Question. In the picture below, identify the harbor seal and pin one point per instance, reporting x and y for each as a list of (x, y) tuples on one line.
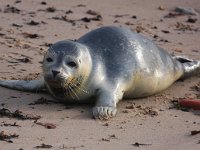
[(104, 66)]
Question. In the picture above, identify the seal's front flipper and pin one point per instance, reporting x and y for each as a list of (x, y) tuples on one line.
[(106, 105), (22, 85)]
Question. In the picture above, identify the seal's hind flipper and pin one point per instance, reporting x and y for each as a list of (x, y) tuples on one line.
[(182, 59), (22, 85), (191, 67)]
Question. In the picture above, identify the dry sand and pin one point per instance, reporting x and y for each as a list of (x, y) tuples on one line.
[(22, 44)]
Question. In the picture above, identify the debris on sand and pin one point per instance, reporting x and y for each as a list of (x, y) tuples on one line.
[(43, 3), (46, 125), (196, 87), (73, 147), (186, 11), (173, 15), (161, 7), (147, 111), (185, 104), (64, 18), (47, 44), (30, 76), (33, 23), (184, 27), (80, 5), (106, 124), (11, 9), (140, 110), (165, 31), (51, 9), (39, 101), (69, 12), (106, 140), (140, 144), (17, 25), (192, 20), (92, 12), (31, 35), (44, 146), (120, 16), (10, 124), (140, 29), (190, 103), (7, 137), (18, 115), (96, 18), (24, 60), (18, 1), (131, 106)]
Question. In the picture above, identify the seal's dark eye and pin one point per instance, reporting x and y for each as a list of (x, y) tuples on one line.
[(72, 64), (49, 59)]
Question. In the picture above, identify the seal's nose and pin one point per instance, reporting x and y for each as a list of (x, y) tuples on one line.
[(55, 73)]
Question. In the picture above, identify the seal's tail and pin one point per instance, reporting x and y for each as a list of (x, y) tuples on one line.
[(191, 67), (22, 85)]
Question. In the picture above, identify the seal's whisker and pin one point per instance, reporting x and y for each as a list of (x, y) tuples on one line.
[(68, 92), (82, 89), (69, 89), (73, 92), (75, 83)]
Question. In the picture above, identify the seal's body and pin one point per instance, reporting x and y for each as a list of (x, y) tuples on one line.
[(108, 63)]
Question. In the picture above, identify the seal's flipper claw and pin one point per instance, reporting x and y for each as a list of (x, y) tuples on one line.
[(22, 85), (104, 113)]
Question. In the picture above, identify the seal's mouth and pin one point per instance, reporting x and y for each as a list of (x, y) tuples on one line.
[(59, 92), (55, 84), (57, 88), (67, 89)]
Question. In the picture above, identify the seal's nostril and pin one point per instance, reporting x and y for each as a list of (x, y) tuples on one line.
[(55, 73)]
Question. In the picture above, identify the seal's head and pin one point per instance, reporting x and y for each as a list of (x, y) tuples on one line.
[(66, 68)]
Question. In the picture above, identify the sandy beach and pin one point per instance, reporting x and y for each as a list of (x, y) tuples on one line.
[(37, 121)]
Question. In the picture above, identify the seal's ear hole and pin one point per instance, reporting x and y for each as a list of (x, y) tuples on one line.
[(49, 59), (72, 64)]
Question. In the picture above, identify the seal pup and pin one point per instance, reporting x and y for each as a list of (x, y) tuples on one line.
[(109, 63)]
